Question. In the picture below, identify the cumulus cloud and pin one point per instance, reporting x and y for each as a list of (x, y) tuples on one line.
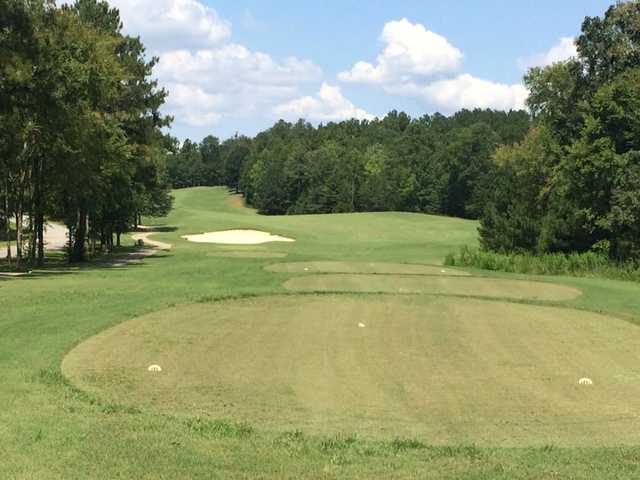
[(234, 64), (467, 91), (243, 83), (411, 50), (422, 64), (162, 24), (209, 78), (193, 106), (328, 105), (563, 50)]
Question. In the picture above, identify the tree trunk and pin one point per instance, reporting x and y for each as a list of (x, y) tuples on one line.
[(18, 235), (79, 252), (7, 217), (32, 238), (38, 210), (118, 239)]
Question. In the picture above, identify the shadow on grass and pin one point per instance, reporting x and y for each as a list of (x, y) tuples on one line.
[(57, 263), (160, 229)]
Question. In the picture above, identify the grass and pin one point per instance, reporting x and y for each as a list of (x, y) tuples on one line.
[(50, 428), (446, 371), (363, 267), (443, 285)]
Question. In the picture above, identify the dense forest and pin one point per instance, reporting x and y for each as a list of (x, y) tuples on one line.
[(81, 137), (573, 184), (563, 177), (432, 164)]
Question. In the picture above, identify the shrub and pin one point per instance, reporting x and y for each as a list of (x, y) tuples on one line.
[(574, 264)]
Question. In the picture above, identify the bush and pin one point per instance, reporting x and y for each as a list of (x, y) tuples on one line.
[(574, 264)]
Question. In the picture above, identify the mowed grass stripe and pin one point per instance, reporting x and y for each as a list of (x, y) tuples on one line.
[(470, 286), (363, 267), (442, 370)]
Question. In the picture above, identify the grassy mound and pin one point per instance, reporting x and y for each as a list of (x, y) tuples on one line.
[(442, 370)]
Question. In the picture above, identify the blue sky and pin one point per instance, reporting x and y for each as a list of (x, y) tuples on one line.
[(238, 66)]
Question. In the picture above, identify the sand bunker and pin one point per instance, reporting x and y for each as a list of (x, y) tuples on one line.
[(237, 237)]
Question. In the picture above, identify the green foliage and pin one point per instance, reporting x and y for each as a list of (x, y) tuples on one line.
[(573, 183), (431, 164), (81, 137), (573, 264)]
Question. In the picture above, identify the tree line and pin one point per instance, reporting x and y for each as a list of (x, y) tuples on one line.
[(80, 136), (573, 183), (431, 164), (562, 177)]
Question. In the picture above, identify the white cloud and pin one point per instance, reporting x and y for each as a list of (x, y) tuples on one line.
[(163, 24), (242, 83), (411, 51), (329, 105), (563, 50), (193, 106), (467, 91), (209, 78), (421, 64), (232, 64)]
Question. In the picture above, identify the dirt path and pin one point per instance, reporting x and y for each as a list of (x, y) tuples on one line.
[(144, 234), (55, 238), (150, 248)]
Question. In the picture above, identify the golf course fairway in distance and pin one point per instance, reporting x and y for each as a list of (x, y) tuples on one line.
[(413, 284), (445, 370)]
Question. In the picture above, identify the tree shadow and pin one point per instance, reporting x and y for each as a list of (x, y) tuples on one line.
[(57, 263)]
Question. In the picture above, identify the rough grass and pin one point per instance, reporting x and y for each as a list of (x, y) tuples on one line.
[(575, 264), (49, 430)]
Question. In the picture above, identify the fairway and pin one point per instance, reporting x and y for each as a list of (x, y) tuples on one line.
[(266, 364), (445, 371)]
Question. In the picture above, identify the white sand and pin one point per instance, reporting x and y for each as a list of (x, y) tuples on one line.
[(237, 237)]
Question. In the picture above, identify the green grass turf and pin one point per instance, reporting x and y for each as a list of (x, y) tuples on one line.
[(51, 429), (364, 267), (455, 285), (435, 368)]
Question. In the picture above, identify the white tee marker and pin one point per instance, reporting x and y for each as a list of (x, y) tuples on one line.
[(155, 368), (361, 325), (585, 381)]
